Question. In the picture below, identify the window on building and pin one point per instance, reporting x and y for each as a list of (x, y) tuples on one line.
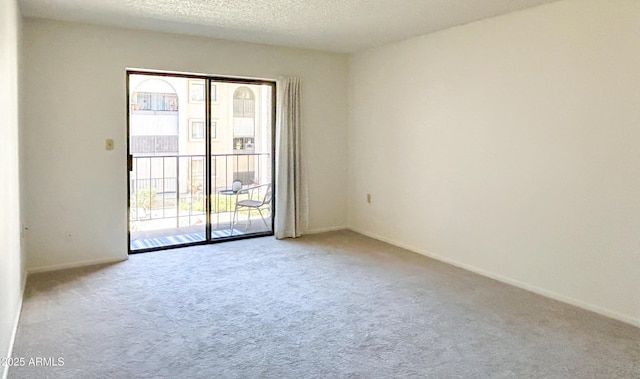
[(244, 113), (196, 129), (196, 91), (214, 93), (244, 103)]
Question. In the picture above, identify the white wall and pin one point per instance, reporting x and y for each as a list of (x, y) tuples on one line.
[(75, 96), (11, 270), (509, 146)]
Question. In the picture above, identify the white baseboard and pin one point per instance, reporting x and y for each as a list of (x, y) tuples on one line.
[(325, 230), (14, 330), (75, 265), (516, 283)]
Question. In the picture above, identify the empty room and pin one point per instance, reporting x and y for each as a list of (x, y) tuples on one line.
[(320, 189)]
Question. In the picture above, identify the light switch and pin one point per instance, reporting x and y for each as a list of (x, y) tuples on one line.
[(109, 144)]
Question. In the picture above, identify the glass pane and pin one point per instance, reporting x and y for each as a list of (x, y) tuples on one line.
[(167, 142), (241, 148)]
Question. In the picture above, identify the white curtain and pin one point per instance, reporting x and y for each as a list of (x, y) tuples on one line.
[(291, 209)]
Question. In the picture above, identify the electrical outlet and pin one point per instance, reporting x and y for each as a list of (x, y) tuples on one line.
[(369, 198)]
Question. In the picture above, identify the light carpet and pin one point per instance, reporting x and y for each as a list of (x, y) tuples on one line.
[(333, 305)]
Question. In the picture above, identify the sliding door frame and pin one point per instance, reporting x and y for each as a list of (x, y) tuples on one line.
[(208, 190)]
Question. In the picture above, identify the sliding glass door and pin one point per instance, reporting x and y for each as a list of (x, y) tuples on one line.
[(200, 159), (241, 168)]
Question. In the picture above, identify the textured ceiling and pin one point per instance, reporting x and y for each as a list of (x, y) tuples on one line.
[(334, 25)]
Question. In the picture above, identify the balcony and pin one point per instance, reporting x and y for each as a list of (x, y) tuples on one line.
[(167, 197)]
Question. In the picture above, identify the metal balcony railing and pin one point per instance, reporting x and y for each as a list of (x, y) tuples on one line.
[(164, 187)]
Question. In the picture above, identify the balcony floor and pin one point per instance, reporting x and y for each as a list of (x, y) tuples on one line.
[(168, 236)]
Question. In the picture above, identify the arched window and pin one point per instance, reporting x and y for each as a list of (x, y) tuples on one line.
[(244, 103), (154, 118), (154, 95)]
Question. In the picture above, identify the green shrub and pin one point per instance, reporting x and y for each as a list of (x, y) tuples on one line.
[(144, 198)]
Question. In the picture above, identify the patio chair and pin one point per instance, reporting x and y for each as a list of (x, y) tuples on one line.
[(259, 198)]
